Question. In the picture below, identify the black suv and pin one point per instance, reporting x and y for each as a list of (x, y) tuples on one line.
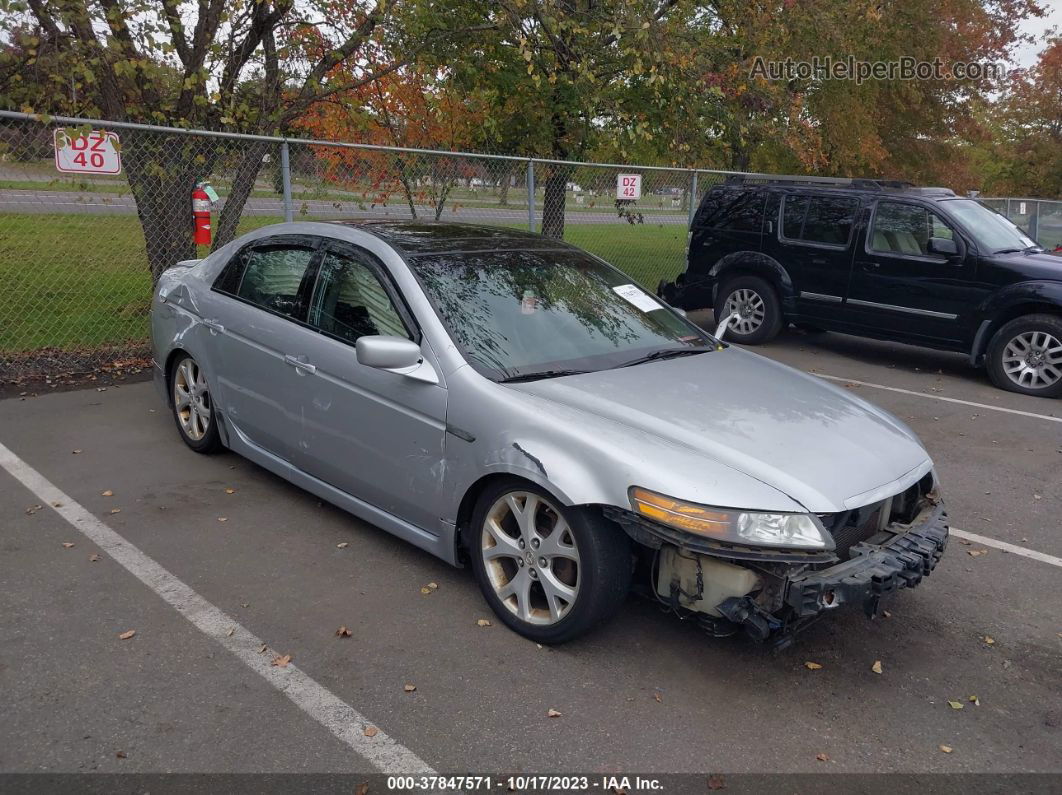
[(879, 259)]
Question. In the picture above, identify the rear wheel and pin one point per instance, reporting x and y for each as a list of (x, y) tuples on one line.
[(1026, 356), (757, 306), (550, 573), (193, 405)]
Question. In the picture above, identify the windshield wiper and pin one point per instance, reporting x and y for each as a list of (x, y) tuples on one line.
[(667, 353), (540, 374), (1008, 251)]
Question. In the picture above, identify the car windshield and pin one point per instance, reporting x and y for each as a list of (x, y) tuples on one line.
[(537, 314), (994, 233)]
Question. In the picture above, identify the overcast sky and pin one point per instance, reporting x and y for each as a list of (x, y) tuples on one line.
[(1026, 55)]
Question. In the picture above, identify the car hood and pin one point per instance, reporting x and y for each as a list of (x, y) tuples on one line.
[(1039, 265), (821, 446)]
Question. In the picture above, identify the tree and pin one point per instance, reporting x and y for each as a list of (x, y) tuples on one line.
[(231, 65)]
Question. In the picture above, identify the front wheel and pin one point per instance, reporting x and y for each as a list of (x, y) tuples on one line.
[(193, 405), (1026, 356), (550, 573), (757, 306)]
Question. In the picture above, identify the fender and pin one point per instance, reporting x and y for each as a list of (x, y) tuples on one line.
[(757, 264), (997, 309)]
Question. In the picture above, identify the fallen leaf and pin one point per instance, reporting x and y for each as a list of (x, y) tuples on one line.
[(127, 634), (362, 789), (812, 666), (955, 704), (659, 699), (343, 632), (231, 632), (973, 553), (94, 557), (262, 649), (433, 585), (223, 519), (409, 688), (245, 604), (483, 623), (33, 509), (716, 782), (68, 545), (425, 590), (886, 613), (822, 757), (876, 667), (57, 505), (1038, 496), (342, 545), (964, 542), (371, 731), (975, 701), (230, 491), (107, 493), (120, 754), (75, 452), (1006, 664), (552, 713), (946, 749), (116, 510), (282, 661), (989, 641)]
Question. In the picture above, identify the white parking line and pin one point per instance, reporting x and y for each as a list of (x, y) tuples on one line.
[(1007, 547), (347, 724), (939, 397)]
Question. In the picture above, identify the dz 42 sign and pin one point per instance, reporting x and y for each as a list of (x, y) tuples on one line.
[(95, 153), (629, 186)]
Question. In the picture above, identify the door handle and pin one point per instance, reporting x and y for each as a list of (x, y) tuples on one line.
[(818, 260), (215, 327), (299, 364), (871, 266)]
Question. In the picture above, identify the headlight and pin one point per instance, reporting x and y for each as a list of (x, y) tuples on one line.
[(800, 530)]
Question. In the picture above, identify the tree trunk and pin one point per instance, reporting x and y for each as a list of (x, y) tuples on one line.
[(243, 179), (162, 171), (504, 181), (553, 201)]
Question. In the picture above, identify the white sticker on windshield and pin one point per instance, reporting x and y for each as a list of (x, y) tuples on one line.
[(637, 296)]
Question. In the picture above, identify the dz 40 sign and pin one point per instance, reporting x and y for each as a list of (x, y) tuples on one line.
[(629, 186), (98, 152)]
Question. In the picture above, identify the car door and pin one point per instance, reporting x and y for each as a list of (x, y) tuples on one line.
[(258, 301), (814, 245), (375, 434), (899, 285)]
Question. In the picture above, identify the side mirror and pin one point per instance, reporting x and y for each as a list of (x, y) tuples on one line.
[(720, 330), (942, 246), (387, 353)]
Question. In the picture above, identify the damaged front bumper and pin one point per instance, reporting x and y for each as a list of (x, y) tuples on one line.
[(795, 590)]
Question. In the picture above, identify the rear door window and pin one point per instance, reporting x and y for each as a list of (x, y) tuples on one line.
[(822, 220), (732, 209)]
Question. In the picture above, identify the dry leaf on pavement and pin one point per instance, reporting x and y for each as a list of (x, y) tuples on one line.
[(127, 634), (946, 748), (282, 661), (659, 699), (989, 641), (68, 545), (955, 704), (342, 545), (223, 518), (33, 509), (552, 713), (876, 667), (75, 452), (409, 688), (371, 731), (822, 757), (812, 666), (483, 623), (94, 557), (343, 632), (262, 649), (231, 632), (425, 590), (975, 701), (230, 491), (120, 754), (716, 782), (107, 493), (116, 510)]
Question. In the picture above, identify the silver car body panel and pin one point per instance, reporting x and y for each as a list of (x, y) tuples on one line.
[(726, 428)]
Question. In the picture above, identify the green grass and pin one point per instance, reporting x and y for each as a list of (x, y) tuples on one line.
[(77, 282)]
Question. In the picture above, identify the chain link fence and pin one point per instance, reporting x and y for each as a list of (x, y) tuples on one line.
[(79, 252)]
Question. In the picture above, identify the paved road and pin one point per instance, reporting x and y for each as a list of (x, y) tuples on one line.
[(35, 202), (171, 698)]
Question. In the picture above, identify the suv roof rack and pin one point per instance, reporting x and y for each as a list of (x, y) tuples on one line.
[(833, 182)]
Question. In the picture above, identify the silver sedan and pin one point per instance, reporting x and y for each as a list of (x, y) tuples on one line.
[(509, 401)]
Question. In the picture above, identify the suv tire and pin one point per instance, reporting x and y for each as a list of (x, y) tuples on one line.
[(1025, 356), (589, 563), (759, 305)]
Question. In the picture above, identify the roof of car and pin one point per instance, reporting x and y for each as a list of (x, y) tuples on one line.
[(442, 237), (859, 185)]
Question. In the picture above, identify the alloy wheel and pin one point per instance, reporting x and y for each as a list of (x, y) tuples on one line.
[(750, 308), (1033, 360), (531, 558), (191, 400)]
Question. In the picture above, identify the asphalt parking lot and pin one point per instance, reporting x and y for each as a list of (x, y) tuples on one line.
[(269, 565)]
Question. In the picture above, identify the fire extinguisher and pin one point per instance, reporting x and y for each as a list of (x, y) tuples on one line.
[(201, 215)]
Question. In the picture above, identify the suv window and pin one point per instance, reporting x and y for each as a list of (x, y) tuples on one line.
[(905, 229), (819, 219), (735, 210), (272, 275), (350, 301)]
